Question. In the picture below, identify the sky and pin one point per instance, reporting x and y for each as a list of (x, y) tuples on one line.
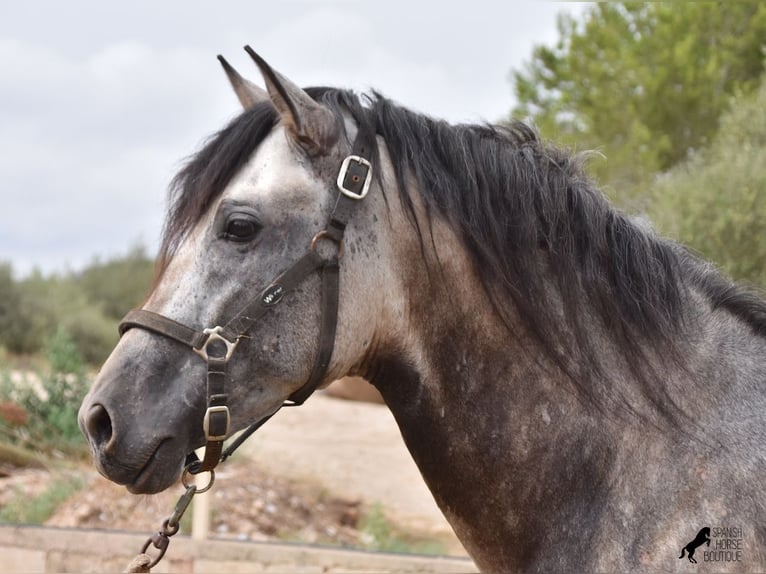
[(100, 102)]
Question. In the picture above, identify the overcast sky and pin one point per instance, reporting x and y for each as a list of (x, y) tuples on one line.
[(101, 101)]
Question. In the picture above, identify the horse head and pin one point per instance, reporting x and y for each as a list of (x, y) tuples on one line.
[(251, 208)]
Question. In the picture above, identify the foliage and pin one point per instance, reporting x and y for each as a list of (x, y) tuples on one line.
[(10, 297), (52, 399), (23, 509), (65, 385), (93, 334), (86, 304), (645, 83), (118, 284), (28, 315), (716, 201)]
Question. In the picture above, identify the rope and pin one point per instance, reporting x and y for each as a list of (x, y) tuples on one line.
[(139, 564)]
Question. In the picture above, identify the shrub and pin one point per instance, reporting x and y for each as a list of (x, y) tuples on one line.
[(716, 202), (52, 399)]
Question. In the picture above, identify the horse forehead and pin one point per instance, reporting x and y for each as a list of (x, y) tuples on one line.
[(276, 170)]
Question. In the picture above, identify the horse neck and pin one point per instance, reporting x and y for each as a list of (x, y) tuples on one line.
[(468, 406), (485, 420)]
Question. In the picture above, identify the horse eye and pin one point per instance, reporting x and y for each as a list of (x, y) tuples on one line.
[(241, 229)]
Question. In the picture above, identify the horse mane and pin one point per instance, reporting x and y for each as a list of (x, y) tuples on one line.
[(515, 201), (549, 248)]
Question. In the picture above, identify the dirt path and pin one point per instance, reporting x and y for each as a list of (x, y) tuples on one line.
[(353, 450)]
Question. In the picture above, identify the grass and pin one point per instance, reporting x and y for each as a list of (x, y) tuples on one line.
[(22, 509), (376, 533), (379, 534)]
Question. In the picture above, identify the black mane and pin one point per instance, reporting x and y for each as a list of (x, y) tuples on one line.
[(528, 215)]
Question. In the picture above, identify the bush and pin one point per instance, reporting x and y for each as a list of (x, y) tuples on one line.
[(52, 399), (716, 202), (27, 314), (94, 334), (118, 284), (87, 304)]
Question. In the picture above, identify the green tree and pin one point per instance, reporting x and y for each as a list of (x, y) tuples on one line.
[(50, 303), (87, 305), (118, 284), (645, 83), (34, 317), (716, 201), (9, 306)]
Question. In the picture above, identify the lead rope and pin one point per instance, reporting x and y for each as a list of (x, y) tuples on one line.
[(160, 540)]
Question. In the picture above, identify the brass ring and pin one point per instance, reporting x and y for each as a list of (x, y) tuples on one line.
[(185, 480), (324, 234)]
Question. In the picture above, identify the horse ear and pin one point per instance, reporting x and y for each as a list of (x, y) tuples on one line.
[(247, 92), (311, 125)]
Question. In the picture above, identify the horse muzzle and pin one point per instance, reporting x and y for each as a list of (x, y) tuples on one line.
[(145, 461)]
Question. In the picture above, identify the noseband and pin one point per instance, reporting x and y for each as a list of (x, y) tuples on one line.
[(217, 345)]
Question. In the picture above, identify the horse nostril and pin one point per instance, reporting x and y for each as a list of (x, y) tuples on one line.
[(99, 425)]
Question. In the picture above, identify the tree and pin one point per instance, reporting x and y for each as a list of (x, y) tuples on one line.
[(118, 284), (9, 306), (645, 83), (86, 305), (33, 317), (716, 201)]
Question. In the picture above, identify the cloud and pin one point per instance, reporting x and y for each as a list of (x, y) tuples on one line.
[(92, 143), (100, 103)]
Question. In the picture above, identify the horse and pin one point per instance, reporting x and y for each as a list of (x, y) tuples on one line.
[(703, 537), (577, 391)]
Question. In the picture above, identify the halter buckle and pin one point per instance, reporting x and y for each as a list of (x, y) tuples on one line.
[(214, 334), (342, 177), (220, 423)]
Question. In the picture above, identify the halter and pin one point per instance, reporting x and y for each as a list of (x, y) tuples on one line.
[(216, 345)]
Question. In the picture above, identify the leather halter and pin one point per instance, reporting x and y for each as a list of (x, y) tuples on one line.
[(216, 345)]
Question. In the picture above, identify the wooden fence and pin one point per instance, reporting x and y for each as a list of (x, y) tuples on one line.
[(38, 550)]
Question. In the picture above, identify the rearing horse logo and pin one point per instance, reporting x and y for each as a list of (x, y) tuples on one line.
[(703, 537)]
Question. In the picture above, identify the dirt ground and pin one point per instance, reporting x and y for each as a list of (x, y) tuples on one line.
[(312, 474), (352, 448)]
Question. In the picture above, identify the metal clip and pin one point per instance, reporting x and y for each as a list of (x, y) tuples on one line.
[(181, 506)]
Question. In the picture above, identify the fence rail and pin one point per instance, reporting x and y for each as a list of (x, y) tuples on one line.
[(39, 550)]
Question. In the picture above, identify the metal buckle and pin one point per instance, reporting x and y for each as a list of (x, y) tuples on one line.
[(206, 422), (342, 177), (214, 335)]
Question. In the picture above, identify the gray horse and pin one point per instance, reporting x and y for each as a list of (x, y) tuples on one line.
[(577, 392)]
